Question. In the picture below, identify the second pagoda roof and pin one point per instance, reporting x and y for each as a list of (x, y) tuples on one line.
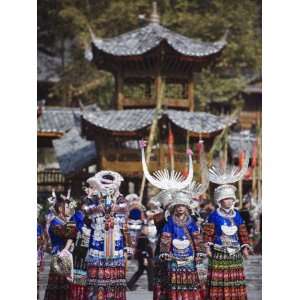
[(137, 119)]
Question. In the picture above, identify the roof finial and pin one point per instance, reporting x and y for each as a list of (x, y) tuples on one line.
[(154, 16)]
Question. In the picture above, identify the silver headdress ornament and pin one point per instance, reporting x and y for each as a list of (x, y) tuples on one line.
[(106, 182), (230, 174), (165, 180), (176, 189), (39, 208), (225, 177), (52, 200), (73, 203)]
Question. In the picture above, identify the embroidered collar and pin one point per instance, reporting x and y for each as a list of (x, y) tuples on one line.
[(180, 222), (64, 221), (226, 214)]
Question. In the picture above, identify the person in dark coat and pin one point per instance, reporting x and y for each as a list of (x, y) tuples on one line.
[(144, 256), (246, 215)]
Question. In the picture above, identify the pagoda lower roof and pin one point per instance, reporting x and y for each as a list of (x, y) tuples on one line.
[(142, 40), (60, 119), (137, 119), (74, 152)]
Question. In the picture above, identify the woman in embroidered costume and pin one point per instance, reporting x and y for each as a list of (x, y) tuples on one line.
[(226, 238), (180, 241), (40, 248), (109, 239), (62, 233), (78, 290)]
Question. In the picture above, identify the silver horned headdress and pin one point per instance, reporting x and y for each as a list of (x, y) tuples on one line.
[(225, 177), (176, 189), (229, 174), (165, 180)]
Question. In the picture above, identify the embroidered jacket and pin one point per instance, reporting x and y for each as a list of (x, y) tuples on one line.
[(109, 231), (180, 240), (60, 231), (227, 231)]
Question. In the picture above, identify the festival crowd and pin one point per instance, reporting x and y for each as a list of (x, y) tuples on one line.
[(190, 248)]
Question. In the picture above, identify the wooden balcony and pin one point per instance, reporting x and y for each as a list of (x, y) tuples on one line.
[(50, 178), (128, 161), (148, 103), (249, 117)]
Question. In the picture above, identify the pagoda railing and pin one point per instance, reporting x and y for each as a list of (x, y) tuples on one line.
[(128, 161), (50, 176), (249, 117), (148, 102)]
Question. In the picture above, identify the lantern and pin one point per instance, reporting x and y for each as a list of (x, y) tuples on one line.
[(254, 155), (171, 142)]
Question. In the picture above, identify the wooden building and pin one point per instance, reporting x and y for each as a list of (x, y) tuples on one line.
[(154, 71), (63, 156), (251, 114)]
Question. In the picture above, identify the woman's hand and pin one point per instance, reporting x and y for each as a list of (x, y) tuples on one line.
[(245, 252), (208, 252), (145, 262), (63, 252)]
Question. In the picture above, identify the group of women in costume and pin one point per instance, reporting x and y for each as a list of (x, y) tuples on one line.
[(90, 245)]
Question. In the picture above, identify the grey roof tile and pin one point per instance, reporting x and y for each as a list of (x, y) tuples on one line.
[(200, 122), (58, 119), (74, 152), (136, 119), (142, 40), (121, 120)]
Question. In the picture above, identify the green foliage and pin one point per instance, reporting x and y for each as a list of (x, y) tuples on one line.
[(204, 19)]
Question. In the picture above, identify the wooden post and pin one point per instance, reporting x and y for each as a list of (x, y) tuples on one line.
[(159, 87), (161, 155), (119, 90), (241, 193), (225, 149), (191, 93), (70, 93), (172, 150)]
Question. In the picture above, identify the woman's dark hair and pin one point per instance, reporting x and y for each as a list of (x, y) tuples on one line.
[(59, 203), (80, 202)]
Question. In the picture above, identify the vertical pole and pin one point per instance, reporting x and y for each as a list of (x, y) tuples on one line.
[(225, 149), (70, 94), (241, 192), (171, 146), (161, 154), (159, 85), (191, 92), (119, 90)]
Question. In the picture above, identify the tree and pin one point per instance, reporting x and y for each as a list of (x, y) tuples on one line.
[(69, 20)]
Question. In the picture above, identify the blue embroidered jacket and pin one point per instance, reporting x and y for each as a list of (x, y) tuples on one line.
[(174, 231), (78, 219), (39, 230), (218, 237)]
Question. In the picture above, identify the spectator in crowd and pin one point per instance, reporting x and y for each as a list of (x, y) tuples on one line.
[(144, 256)]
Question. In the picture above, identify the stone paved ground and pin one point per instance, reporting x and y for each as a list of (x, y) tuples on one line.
[(252, 267)]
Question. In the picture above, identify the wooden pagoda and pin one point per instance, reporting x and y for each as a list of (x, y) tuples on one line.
[(154, 71)]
